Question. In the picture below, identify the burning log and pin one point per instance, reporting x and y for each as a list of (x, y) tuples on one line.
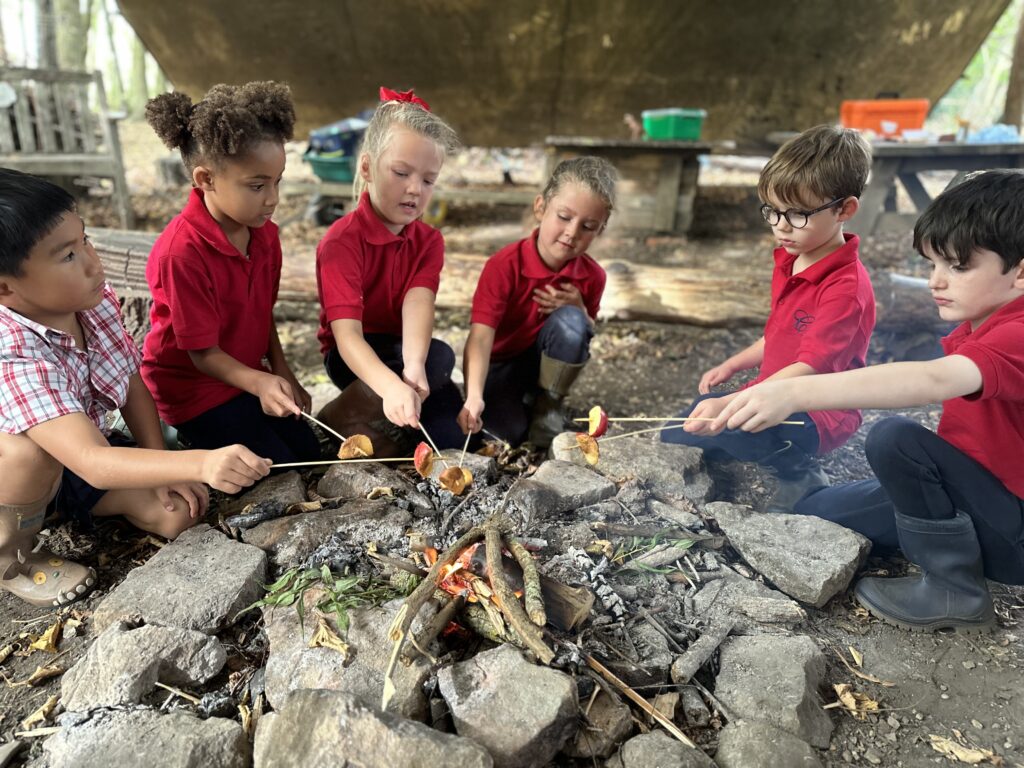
[(436, 626), (509, 603), (531, 582)]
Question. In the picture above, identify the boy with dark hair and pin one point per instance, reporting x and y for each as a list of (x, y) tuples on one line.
[(66, 361), (822, 310), (952, 501)]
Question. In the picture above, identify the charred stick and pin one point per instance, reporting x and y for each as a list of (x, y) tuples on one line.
[(531, 582), (509, 603), (697, 655), (475, 617), (423, 592), (436, 626)]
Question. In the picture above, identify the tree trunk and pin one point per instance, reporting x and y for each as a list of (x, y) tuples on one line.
[(3, 45), (46, 37), (138, 90), (73, 33), (1014, 108), (116, 82)]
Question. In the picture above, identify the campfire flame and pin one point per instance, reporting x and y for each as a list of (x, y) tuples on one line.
[(459, 579)]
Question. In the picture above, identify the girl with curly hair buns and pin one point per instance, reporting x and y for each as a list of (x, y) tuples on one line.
[(214, 275), (378, 271)]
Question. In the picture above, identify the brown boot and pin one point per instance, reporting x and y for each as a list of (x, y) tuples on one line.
[(37, 576), (358, 410), (548, 418)]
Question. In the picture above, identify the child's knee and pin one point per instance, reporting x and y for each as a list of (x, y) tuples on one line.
[(440, 360), (888, 438), (155, 518), (34, 468)]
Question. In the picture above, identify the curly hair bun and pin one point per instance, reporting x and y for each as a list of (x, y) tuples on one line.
[(169, 114)]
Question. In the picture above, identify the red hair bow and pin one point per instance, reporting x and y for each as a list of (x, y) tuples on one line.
[(386, 94)]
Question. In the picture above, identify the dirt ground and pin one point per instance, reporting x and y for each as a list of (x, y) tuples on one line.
[(967, 689)]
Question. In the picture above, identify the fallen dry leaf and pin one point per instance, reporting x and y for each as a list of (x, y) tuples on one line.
[(380, 491), (42, 714), (857, 656), (356, 447), (969, 755), (589, 447), (861, 674), (6, 651), (856, 703), (325, 637), (423, 459), (455, 479), (41, 674), (48, 640)]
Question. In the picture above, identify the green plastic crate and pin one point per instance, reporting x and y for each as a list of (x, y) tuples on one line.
[(673, 124), (332, 168)]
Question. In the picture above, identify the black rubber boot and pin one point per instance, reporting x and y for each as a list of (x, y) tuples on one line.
[(548, 418), (950, 592), (798, 482)]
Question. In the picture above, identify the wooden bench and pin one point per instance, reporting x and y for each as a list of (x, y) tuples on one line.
[(49, 127)]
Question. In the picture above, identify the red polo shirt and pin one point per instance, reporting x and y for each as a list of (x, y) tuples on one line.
[(823, 317), (504, 294), (206, 294), (363, 271), (989, 425)]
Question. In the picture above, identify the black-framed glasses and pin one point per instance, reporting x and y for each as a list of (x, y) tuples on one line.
[(797, 219)]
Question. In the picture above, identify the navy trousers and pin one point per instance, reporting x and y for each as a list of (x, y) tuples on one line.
[(922, 475), (785, 448), (441, 407), (242, 420), (511, 384)]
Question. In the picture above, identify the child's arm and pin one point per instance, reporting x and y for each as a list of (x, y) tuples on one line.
[(77, 444), (279, 366), (139, 413), (417, 328), (750, 357), (401, 403), (476, 359), (892, 385), (275, 393)]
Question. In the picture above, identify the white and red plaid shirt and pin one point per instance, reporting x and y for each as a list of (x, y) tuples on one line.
[(44, 374)]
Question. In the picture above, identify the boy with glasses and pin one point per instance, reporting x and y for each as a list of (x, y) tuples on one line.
[(822, 311)]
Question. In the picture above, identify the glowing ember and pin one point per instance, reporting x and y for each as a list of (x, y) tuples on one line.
[(458, 578)]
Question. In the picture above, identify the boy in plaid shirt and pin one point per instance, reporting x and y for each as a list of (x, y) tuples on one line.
[(65, 363)]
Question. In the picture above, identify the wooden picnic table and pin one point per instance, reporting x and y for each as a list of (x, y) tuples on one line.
[(904, 161), (657, 179)]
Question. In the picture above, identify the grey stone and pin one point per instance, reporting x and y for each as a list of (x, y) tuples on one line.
[(655, 660), (357, 480), (200, 581), (284, 487), (290, 540), (123, 665), (292, 665), (483, 468), (144, 737), (775, 679), (749, 604), (330, 728), (609, 722), (669, 471), (750, 744), (680, 513), (559, 486), (658, 750), (806, 557), (522, 713)]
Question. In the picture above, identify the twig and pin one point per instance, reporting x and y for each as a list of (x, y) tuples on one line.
[(186, 696), (495, 437), (317, 421), (451, 515), (465, 445), (433, 445), (333, 461), (696, 656), (637, 699), (426, 588), (436, 626), (531, 582), (507, 600)]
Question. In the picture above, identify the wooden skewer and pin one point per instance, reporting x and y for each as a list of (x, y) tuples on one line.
[(315, 420), (465, 445), (683, 418), (433, 445), (333, 461)]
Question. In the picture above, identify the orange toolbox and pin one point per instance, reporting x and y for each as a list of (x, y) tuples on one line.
[(888, 117)]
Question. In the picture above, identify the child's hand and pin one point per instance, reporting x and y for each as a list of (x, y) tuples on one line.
[(416, 377), (707, 409), (758, 408), (717, 375), (469, 417), (193, 494), (233, 468), (276, 396), (402, 405), (300, 396), (550, 298)]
